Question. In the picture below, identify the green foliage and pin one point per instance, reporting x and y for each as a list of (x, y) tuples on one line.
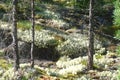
[(98, 56), (118, 75), (23, 9), (26, 25), (4, 64), (118, 34), (118, 50), (117, 13), (118, 47), (52, 42), (111, 30), (84, 62), (117, 21), (1, 52), (5, 1), (38, 27)]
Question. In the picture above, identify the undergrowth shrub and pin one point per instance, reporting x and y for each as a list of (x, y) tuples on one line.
[(118, 37), (118, 34), (118, 50), (116, 13), (117, 21)]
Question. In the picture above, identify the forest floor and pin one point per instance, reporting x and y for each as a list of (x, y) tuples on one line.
[(108, 69)]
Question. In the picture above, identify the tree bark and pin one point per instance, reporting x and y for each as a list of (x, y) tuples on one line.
[(33, 33), (91, 37), (14, 30)]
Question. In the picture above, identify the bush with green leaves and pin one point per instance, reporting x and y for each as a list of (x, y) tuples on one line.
[(118, 47), (118, 50), (117, 34), (117, 21), (117, 13)]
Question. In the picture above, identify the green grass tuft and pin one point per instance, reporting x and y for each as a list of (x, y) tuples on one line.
[(26, 25)]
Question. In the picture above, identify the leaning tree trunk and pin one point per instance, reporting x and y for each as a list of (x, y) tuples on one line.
[(91, 37), (33, 33), (15, 41)]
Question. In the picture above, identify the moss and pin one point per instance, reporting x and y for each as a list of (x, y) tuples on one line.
[(26, 25), (97, 67), (4, 64), (38, 27), (84, 62), (1, 53), (98, 56)]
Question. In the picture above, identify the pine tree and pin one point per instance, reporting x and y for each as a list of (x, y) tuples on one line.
[(117, 13), (91, 37), (33, 33), (14, 29)]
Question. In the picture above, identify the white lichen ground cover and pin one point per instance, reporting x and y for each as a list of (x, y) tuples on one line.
[(106, 67), (103, 71), (66, 69)]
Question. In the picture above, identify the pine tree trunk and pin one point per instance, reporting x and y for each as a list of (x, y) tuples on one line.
[(15, 41), (91, 37), (33, 33)]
